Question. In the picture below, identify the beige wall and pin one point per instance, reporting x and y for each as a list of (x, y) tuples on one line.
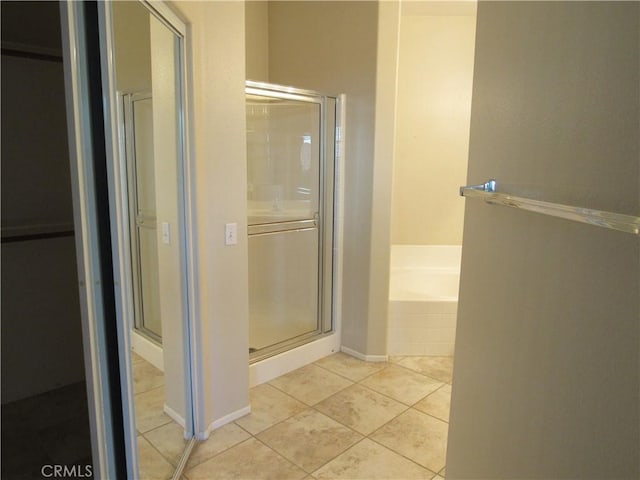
[(166, 148), (435, 70), (547, 368), (132, 44), (331, 47), (218, 146), (385, 124), (257, 40)]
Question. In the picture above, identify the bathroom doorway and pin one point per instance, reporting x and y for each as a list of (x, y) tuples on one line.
[(435, 56)]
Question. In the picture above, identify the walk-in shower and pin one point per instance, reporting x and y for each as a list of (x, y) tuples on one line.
[(291, 153)]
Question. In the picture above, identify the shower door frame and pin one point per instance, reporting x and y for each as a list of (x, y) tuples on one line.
[(126, 102), (326, 218)]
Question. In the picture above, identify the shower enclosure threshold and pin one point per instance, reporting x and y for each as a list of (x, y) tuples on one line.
[(266, 369)]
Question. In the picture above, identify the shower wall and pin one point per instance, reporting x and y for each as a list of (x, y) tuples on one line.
[(435, 73), (256, 17)]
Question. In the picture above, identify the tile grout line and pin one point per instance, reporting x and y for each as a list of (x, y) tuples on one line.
[(407, 406), (405, 457), (144, 433), (420, 373), (314, 408), (280, 455), (156, 387), (364, 437), (386, 364), (159, 453), (359, 382)]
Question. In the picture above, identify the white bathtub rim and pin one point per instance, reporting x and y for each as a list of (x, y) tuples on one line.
[(427, 262), (427, 256)]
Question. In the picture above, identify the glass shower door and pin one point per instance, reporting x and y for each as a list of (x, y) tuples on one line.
[(286, 219), (138, 114)]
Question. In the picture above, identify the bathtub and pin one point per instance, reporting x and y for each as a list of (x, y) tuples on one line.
[(423, 299)]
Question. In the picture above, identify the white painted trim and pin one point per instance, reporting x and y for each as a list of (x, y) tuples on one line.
[(220, 422), (285, 362), (362, 356), (338, 227), (86, 237), (175, 416), (148, 350)]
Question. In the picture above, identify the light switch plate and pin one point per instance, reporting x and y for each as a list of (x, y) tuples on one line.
[(166, 233), (230, 233)]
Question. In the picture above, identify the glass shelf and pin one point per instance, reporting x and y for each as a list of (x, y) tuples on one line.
[(599, 218)]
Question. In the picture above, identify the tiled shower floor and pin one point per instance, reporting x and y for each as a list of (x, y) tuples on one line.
[(338, 418)]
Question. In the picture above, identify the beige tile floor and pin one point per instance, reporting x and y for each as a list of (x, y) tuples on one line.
[(338, 418)]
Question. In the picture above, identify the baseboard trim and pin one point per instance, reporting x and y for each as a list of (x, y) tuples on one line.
[(362, 356), (175, 416), (220, 422), (148, 350)]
